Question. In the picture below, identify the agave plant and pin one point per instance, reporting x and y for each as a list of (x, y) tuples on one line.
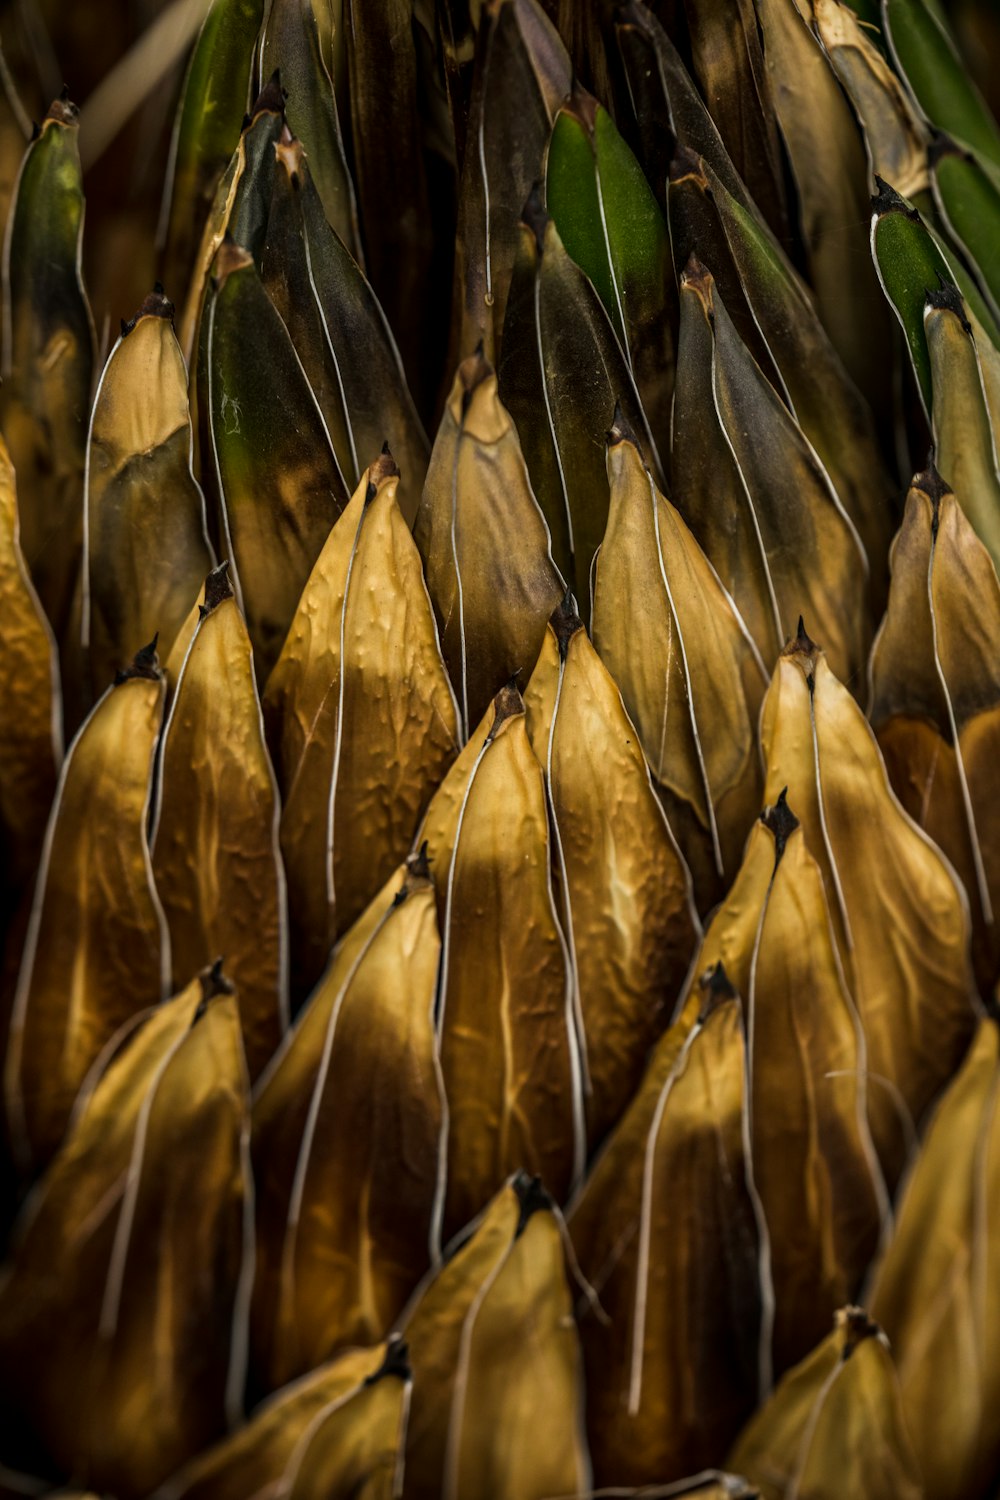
[(499, 717)]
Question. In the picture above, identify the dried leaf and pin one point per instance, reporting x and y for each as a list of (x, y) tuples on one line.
[(136, 1239), (624, 889), (522, 74), (48, 358), (270, 461), (339, 331), (338, 1428), (797, 1447), (935, 1290), (361, 718), (555, 328), (814, 1165), (97, 948), (145, 545), (494, 1348), (936, 695), (755, 494), (508, 1036), (31, 735), (689, 674), (347, 1142), (665, 1232), (485, 545), (881, 874), (215, 842)]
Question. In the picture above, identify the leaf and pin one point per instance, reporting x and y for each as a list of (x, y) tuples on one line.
[(828, 167), (508, 1038), (935, 694), (795, 1445), (136, 1238), (215, 840), (217, 92), (485, 545), (240, 208), (665, 1231), (270, 462), (361, 718), (909, 265), (387, 126), (522, 74), (895, 136), (339, 1427), (347, 1139), (690, 677), (494, 1347), (775, 316), (145, 546), (339, 332), (968, 199), (814, 1165), (555, 328), (97, 948), (935, 1287), (31, 734), (290, 43), (48, 358), (914, 995), (729, 65), (623, 887), (963, 433), (754, 492), (927, 59), (611, 225)]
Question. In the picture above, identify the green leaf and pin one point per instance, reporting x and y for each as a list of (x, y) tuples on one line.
[(909, 265), (218, 92), (925, 54), (969, 201), (611, 225)]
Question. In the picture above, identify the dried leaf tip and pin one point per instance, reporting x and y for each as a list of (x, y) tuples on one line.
[(418, 864), (949, 299), (229, 258), (781, 822), (688, 164), (930, 483), (289, 154), (63, 110), (532, 1197), (888, 201), (507, 704), (565, 622), (857, 1326), (380, 472), (621, 430), (716, 989), (145, 663), (395, 1364), (217, 589), (697, 278), (271, 99), (534, 215), (800, 644), (213, 983), (154, 305), (583, 105)]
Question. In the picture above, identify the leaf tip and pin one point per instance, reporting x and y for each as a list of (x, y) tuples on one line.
[(565, 622), (217, 589), (396, 1362), (781, 823), (531, 1196)]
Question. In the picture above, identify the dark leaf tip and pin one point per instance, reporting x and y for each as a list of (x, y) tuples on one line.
[(144, 664), (948, 298), (888, 201), (621, 429), (565, 622), (396, 1363), (217, 589), (155, 305), (856, 1326), (507, 704), (716, 989), (271, 99), (781, 822), (532, 1197)]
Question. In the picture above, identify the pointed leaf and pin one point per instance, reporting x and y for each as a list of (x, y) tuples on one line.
[(361, 718), (354, 1095), (485, 545), (145, 546), (97, 947)]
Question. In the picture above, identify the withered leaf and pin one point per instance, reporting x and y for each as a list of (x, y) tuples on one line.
[(485, 545), (97, 947), (215, 842), (361, 718)]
